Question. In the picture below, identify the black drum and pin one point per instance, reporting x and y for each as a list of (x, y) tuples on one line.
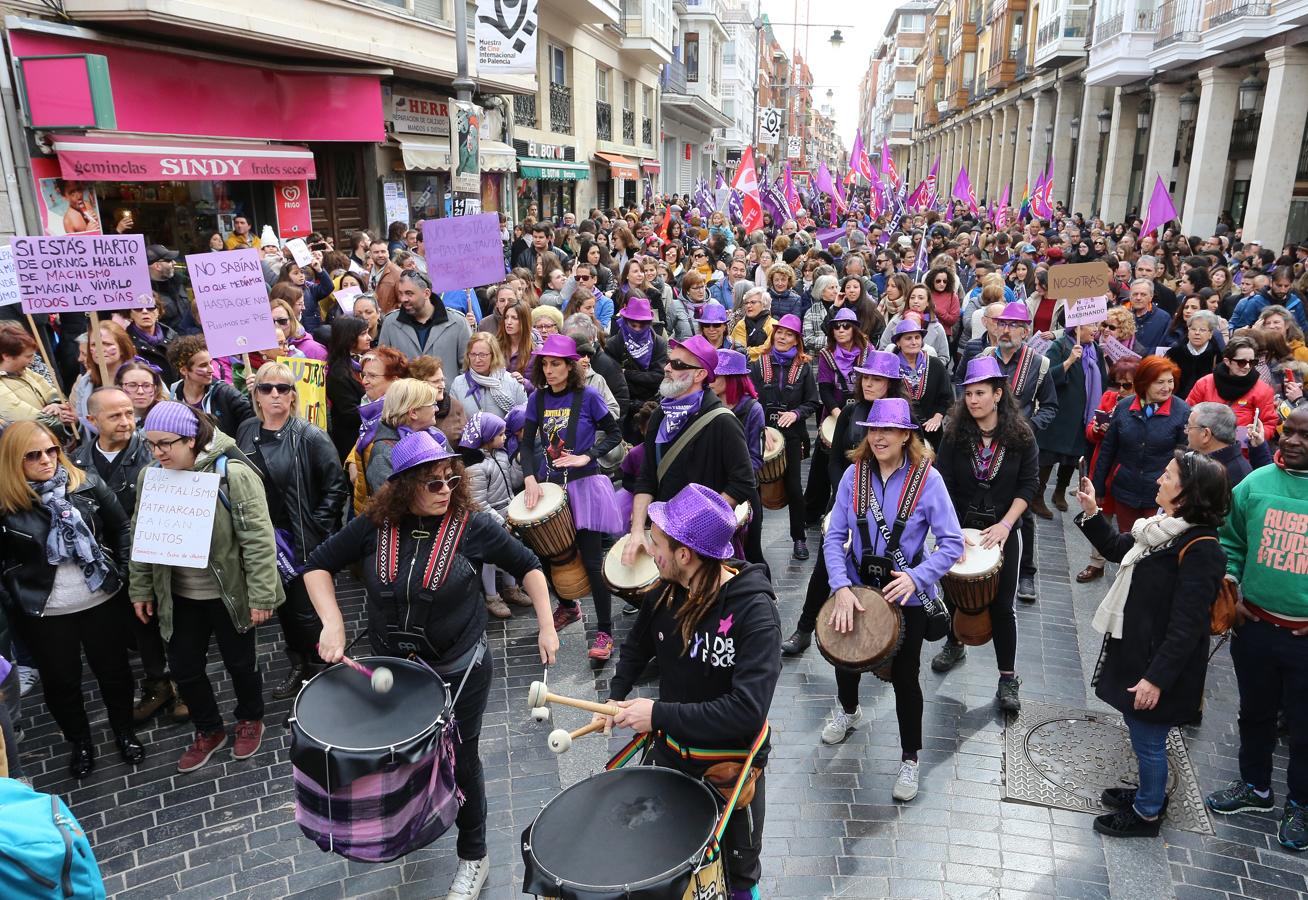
[(642, 831)]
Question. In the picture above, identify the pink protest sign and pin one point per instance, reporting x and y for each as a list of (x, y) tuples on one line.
[(463, 251), (1087, 310), (233, 301), (82, 272)]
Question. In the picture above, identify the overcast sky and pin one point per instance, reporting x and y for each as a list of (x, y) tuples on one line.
[(861, 24)]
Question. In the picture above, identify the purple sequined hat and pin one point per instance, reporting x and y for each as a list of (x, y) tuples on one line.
[(713, 313), (637, 310), (732, 362), (983, 368), (890, 412), (882, 363), (699, 518), (417, 448)]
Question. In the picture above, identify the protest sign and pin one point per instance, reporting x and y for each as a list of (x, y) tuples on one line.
[(310, 387), (463, 251), (345, 297), (232, 298), (8, 278), (82, 272), (1087, 310), (174, 517), (300, 252), (1077, 280)]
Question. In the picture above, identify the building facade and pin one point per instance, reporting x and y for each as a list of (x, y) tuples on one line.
[(894, 98), (740, 62), (693, 118)]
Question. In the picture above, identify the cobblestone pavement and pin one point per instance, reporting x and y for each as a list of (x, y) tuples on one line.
[(832, 829)]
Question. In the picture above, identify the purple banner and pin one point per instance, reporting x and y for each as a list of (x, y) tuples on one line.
[(232, 298), (82, 273), (463, 251)]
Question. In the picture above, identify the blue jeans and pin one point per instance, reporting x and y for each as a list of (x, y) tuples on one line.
[(1150, 744)]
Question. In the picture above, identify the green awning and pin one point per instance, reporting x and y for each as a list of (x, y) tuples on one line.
[(552, 169)]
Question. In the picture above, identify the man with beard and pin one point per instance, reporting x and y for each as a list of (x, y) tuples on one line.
[(692, 438), (1035, 395), (1277, 293)]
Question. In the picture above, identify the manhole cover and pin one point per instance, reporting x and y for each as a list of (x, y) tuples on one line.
[(1063, 757)]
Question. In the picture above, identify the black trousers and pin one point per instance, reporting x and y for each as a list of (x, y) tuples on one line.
[(1271, 669), (819, 591), (754, 534), (817, 496), (195, 622), (149, 643), (794, 484), (1027, 528), (590, 547), (300, 624), (57, 644), (1003, 618), (904, 678)]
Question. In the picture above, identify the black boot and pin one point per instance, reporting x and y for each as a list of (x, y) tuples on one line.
[(294, 678), (82, 762), (797, 643), (129, 748)]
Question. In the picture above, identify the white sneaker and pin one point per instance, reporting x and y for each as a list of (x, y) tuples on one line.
[(842, 725), (28, 678), (468, 879), (906, 783)]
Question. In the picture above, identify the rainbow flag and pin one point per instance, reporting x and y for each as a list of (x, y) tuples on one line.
[(1024, 208)]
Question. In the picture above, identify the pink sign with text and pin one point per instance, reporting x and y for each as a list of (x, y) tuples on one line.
[(232, 298), (82, 272)]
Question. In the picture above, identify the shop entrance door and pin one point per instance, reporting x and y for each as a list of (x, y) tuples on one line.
[(337, 197)]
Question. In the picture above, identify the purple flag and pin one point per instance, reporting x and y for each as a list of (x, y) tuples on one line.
[(932, 179), (827, 236), (1160, 211), (920, 264), (792, 195), (963, 190)]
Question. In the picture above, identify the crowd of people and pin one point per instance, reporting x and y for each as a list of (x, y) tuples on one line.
[(667, 374)]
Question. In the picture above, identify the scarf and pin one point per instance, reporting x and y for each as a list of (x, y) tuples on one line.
[(915, 375), (1231, 387), (70, 539), (355, 366), (1094, 383), (369, 419), (756, 329), (153, 340), (494, 384), (1151, 535), (640, 345), (846, 360), (676, 412), (783, 358)]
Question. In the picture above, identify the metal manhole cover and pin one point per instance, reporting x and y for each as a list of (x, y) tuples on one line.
[(1063, 757)]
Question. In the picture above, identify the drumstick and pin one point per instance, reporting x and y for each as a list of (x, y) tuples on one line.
[(538, 695), (358, 667), (560, 739)]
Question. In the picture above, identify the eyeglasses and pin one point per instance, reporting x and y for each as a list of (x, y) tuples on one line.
[(1126, 385), (839, 326), (281, 321), (270, 387), (140, 387), (583, 278), (1108, 327), (35, 456), (1242, 362), (436, 485), (162, 446), (680, 366)]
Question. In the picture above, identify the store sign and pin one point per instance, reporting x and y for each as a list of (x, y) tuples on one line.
[(293, 216), (416, 113), (546, 151), (84, 159)]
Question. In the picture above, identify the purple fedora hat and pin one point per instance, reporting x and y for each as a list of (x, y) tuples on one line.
[(844, 314), (791, 322), (891, 412), (559, 345), (1016, 311), (713, 313), (882, 363), (732, 362), (699, 518), (698, 346), (908, 326), (983, 368), (417, 448), (637, 309)]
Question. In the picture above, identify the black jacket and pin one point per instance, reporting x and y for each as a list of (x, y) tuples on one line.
[(937, 396), (119, 475), (1018, 477), (344, 394), (301, 469), (176, 305), (226, 404), (157, 355), (717, 458), (716, 694), (27, 578), (642, 384), (1193, 367), (1165, 629), (780, 395), (611, 372)]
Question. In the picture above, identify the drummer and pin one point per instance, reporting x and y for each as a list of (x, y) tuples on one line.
[(846, 349), (889, 454), (735, 388), (877, 379), (788, 391), (564, 418), (715, 631), (990, 464), (422, 516)]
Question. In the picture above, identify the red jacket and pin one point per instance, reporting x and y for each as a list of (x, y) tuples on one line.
[(1259, 398), (1107, 403), (947, 309)]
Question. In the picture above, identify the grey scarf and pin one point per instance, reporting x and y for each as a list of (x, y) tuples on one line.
[(70, 538)]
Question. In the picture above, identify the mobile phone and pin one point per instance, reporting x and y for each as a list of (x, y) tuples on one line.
[(1102, 416), (1242, 435), (1083, 467)]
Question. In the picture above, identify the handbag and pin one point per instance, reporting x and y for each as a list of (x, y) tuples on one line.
[(1221, 613)]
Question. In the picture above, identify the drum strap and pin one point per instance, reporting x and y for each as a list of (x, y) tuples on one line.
[(908, 498), (666, 458), (1025, 363), (765, 366)]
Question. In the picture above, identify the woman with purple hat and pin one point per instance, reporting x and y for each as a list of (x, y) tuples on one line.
[(989, 461), (639, 351), (735, 388), (712, 324), (754, 329), (846, 348), (567, 429), (891, 467), (421, 543), (926, 381), (877, 379), (786, 387)]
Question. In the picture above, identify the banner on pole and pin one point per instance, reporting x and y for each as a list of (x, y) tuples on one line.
[(310, 388), (232, 299), (463, 251), (769, 124), (1078, 280), (506, 37), (82, 273)]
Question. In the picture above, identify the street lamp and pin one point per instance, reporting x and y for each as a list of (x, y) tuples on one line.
[(1143, 116), (1074, 127), (1074, 130), (1250, 90), (1189, 103), (1105, 119), (836, 39)]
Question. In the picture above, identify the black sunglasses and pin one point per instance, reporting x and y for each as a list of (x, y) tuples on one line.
[(680, 366), (281, 321), (840, 325), (269, 387)]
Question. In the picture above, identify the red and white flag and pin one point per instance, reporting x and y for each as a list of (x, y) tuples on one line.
[(746, 181)]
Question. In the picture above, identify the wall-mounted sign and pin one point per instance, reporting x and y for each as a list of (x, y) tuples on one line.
[(415, 112)]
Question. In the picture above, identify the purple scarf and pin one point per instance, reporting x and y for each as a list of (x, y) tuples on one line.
[(783, 358), (370, 418), (1094, 385), (676, 412), (846, 360), (154, 340), (639, 344)]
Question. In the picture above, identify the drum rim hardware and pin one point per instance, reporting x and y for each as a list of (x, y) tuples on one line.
[(438, 723)]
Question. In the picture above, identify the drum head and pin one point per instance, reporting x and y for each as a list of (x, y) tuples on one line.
[(779, 442), (742, 515), (978, 561), (338, 707), (551, 498), (874, 637), (641, 573), (622, 829), (828, 428)]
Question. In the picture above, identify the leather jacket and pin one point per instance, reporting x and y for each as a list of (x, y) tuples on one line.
[(122, 471), (301, 465), (26, 579)]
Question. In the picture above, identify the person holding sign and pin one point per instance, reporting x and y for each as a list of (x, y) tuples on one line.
[(237, 590), (66, 542), (1080, 372), (25, 395)]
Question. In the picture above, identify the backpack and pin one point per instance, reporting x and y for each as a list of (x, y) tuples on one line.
[(43, 850)]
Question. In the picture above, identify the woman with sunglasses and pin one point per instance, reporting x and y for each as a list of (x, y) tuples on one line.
[(712, 324), (926, 381), (568, 428), (287, 307), (945, 299), (1235, 382), (425, 512), (151, 336), (64, 559), (142, 385), (581, 291), (305, 488), (920, 309), (223, 602), (845, 350), (788, 391)]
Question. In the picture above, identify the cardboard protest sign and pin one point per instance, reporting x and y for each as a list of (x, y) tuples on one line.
[(463, 251), (300, 252), (345, 297), (1077, 280), (310, 387), (174, 517), (82, 272), (232, 298), (8, 278), (1087, 310)]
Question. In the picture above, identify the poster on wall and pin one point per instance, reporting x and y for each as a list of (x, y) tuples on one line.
[(66, 206), (506, 37), (465, 148)]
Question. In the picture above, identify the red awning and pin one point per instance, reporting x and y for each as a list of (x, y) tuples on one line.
[(651, 166), (619, 165), (145, 158)]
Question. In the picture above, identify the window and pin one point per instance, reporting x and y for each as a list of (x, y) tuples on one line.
[(628, 93), (647, 102), (602, 84), (558, 65), (904, 88), (902, 121), (692, 56), (729, 53), (729, 108), (906, 55), (915, 22)]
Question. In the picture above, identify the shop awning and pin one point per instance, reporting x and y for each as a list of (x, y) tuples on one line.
[(144, 158), (619, 166), (496, 156), (651, 166), (425, 156), (553, 169)]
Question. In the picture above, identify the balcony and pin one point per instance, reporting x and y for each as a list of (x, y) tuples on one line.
[(1062, 39), (1219, 12), (1004, 71), (561, 108), (629, 127), (1122, 44), (524, 110), (674, 77), (648, 44), (1178, 22), (1232, 23), (959, 97), (603, 121), (589, 12)]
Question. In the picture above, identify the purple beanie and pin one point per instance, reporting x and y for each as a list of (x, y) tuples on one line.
[(172, 417)]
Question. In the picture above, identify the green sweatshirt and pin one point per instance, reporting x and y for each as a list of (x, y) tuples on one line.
[(1266, 539)]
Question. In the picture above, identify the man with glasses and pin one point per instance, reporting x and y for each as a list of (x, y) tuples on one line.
[(723, 289), (887, 263), (1151, 323), (422, 326), (585, 278), (1210, 430)]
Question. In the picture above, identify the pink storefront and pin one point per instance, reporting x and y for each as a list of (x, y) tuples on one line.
[(177, 145)]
